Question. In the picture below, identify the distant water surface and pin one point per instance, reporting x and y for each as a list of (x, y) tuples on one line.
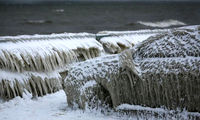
[(94, 17)]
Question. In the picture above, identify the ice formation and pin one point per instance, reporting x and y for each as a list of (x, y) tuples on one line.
[(83, 81), (160, 113), (32, 63), (14, 84), (118, 41), (46, 53), (169, 71), (163, 70), (169, 65)]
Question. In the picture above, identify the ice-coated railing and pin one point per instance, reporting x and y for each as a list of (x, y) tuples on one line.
[(118, 41)]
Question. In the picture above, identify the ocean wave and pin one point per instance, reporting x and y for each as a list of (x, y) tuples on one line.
[(162, 24), (38, 21), (59, 10)]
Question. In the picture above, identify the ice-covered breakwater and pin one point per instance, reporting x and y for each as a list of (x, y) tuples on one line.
[(13, 84), (163, 70), (26, 61), (33, 62), (118, 41), (46, 52)]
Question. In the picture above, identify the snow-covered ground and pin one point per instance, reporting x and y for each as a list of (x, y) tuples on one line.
[(49, 107), (54, 107)]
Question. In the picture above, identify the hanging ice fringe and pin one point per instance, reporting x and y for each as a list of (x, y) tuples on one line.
[(46, 53), (163, 70), (14, 84), (118, 41), (25, 59)]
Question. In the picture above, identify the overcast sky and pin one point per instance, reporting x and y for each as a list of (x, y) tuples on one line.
[(34, 1)]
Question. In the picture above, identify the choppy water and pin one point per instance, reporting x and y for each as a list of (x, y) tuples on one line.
[(94, 17)]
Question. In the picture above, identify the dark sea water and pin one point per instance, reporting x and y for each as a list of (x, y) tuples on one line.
[(92, 17)]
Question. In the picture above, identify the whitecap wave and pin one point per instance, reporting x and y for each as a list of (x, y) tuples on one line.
[(38, 21), (59, 10), (162, 24)]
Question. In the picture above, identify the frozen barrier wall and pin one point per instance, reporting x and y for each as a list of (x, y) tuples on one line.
[(49, 53), (32, 56), (46, 53), (27, 61), (14, 84), (162, 71), (118, 41)]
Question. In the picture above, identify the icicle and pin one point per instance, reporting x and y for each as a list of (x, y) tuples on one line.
[(44, 87), (45, 54), (92, 53), (14, 84), (85, 55)]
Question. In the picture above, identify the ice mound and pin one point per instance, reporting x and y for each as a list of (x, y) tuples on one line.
[(83, 80), (169, 71), (176, 43), (163, 70)]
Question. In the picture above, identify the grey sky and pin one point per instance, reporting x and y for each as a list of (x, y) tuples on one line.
[(35, 1)]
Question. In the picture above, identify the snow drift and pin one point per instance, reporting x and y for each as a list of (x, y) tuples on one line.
[(163, 70)]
